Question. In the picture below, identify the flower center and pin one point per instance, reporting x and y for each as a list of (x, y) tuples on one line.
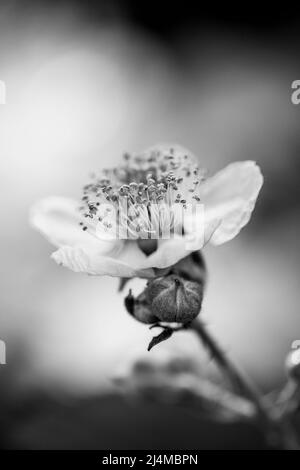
[(144, 197)]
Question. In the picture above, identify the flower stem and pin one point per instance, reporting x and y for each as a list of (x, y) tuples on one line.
[(276, 433)]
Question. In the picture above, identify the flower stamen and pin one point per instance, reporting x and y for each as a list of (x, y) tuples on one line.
[(137, 191)]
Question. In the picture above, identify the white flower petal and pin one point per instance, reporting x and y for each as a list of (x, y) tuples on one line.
[(230, 197), (168, 252), (74, 258), (85, 259), (57, 218), (171, 251)]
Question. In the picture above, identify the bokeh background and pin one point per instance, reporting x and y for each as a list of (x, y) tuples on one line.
[(84, 83)]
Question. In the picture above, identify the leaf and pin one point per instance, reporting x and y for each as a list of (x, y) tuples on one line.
[(163, 336)]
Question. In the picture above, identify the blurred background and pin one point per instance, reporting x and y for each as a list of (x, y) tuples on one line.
[(84, 83)]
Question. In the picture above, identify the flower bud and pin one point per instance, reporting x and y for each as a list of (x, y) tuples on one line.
[(191, 267), (293, 364), (174, 299), (139, 308)]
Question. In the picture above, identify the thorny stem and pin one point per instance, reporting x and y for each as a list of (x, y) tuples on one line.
[(279, 433)]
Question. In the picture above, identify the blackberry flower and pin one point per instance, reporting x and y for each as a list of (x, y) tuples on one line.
[(148, 213)]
